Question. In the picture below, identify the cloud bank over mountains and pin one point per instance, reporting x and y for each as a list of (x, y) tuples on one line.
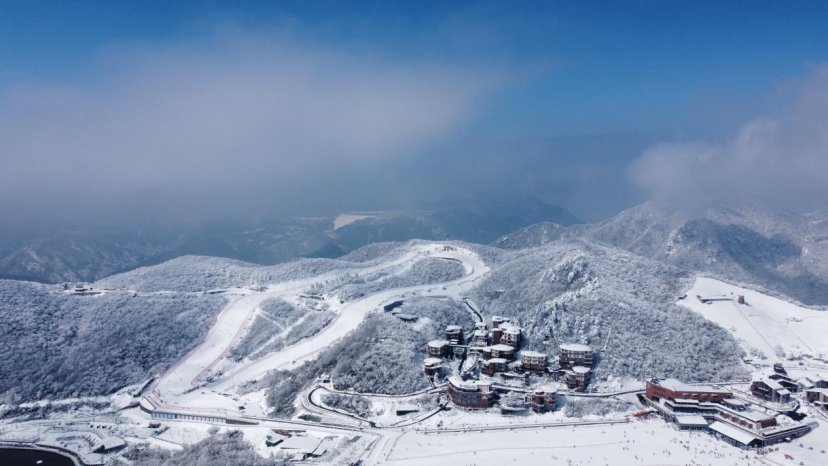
[(780, 161), (239, 114)]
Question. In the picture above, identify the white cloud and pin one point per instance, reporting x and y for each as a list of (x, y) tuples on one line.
[(781, 161), (243, 110)]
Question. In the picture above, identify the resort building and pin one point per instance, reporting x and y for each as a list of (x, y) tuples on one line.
[(533, 361), (470, 394), (432, 366), (497, 321), (675, 390), (770, 390), (577, 378), (503, 351), (813, 381), (543, 399), (729, 419), (511, 335), (575, 354), (480, 337), (818, 396), (454, 334), (492, 366), (438, 348), (787, 382), (497, 335)]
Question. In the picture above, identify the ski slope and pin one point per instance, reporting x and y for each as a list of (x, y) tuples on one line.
[(184, 387), (773, 326)]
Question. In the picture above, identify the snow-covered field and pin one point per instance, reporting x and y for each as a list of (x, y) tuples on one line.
[(643, 442), (775, 327)]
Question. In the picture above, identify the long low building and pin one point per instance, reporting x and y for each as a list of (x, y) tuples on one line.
[(729, 419), (674, 389)]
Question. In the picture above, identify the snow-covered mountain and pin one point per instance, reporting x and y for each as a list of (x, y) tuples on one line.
[(581, 291), (222, 337), (86, 251), (783, 252)]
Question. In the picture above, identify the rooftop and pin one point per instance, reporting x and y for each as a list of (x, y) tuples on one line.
[(509, 327), (502, 347), (772, 384), (432, 361), (816, 378), (581, 370), (753, 415), (533, 354), (462, 384), (453, 327), (679, 386), (694, 421), (681, 401), (437, 343), (733, 432), (736, 402), (575, 347), (498, 361)]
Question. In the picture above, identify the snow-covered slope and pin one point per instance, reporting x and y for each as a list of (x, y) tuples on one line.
[(56, 344), (581, 291), (769, 328), (779, 251)]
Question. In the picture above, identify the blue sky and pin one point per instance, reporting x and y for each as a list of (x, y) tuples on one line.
[(577, 90)]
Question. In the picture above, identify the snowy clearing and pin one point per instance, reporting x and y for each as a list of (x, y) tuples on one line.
[(772, 326)]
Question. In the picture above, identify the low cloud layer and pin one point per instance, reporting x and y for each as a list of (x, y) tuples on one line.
[(237, 118), (781, 161)]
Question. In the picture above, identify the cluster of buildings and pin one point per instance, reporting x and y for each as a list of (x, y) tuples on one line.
[(778, 387), (496, 348), (498, 352), (483, 393), (714, 409)]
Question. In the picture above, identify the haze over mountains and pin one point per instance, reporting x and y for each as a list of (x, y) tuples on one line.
[(87, 252)]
